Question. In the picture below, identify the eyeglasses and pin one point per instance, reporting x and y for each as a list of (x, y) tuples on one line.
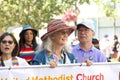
[(5, 41)]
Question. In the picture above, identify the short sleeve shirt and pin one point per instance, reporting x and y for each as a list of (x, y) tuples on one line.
[(93, 54)]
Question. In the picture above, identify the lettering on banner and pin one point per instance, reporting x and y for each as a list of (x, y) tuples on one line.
[(61, 77), (90, 77)]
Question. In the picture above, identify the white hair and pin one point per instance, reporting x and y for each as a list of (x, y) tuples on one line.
[(47, 44)]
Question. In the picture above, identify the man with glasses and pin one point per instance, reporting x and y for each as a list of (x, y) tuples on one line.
[(85, 50)]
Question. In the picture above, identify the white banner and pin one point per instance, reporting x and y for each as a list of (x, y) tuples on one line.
[(98, 71)]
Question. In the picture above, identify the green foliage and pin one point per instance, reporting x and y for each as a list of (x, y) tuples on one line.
[(36, 12), (83, 1), (33, 12), (109, 10), (108, 7)]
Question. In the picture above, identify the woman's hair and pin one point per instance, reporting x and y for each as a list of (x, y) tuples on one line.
[(16, 48), (22, 40), (48, 46)]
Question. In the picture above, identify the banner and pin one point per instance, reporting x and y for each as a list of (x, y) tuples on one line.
[(98, 71)]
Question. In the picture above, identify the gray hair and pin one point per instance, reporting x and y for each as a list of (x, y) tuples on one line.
[(47, 44)]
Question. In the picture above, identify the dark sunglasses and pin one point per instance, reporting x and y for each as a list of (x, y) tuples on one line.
[(4, 42)]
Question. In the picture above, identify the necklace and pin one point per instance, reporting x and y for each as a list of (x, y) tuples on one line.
[(14, 62)]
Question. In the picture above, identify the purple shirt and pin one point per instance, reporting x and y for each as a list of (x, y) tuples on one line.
[(93, 54)]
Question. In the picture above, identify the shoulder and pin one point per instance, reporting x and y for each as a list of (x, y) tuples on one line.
[(39, 58), (40, 53), (95, 50)]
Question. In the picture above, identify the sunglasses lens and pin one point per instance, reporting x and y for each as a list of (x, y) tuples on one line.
[(4, 42), (10, 42)]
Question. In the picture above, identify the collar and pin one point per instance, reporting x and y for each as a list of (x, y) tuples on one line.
[(78, 47)]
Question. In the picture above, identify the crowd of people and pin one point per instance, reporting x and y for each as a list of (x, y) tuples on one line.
[(54, 49)]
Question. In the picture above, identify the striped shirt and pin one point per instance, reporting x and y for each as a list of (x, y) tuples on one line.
[(27, 53)]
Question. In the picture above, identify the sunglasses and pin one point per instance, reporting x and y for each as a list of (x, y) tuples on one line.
[(9, 42)]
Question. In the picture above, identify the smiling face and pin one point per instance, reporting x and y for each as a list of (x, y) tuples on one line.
[(7, 45), (60, 37)]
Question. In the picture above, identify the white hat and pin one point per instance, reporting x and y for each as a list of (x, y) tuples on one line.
[(88, 24)]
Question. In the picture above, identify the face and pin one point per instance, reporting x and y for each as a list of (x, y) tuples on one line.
[(7, 45), (85, 34), (60, 37), (28, 36)]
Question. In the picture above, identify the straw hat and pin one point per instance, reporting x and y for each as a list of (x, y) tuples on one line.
[(27, 27), (57, 25)]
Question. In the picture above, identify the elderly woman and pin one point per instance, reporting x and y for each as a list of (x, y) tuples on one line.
[(54, 50), (9, 51)]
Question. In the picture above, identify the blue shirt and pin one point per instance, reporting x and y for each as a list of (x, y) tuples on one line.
[(54, 57), (43, 58), (93, 54)]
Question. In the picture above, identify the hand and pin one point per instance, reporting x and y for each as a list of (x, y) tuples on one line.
[(53, 63), (89, 63)]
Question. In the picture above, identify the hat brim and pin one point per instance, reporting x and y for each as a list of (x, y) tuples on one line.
[(79, 25), (71, 29), (35, 31)]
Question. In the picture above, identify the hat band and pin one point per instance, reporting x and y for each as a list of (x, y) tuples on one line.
[(57, 27)]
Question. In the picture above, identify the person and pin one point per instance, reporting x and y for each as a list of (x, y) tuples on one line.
[(95, 42), (116, 42), (28, 44), (85, 50), (9, 51), (105, 46), (54, 47)]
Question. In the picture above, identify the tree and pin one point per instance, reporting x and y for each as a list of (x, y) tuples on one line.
[(108, 7), (33, 12)]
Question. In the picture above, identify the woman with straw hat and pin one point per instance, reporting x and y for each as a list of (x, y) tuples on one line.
[(54, 47)]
